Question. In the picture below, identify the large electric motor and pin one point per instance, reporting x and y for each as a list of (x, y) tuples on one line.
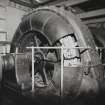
[(52, 26)]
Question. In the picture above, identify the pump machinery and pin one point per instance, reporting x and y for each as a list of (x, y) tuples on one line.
[(45, 27)]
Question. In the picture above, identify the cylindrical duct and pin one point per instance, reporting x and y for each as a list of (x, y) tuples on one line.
[(52, 24)]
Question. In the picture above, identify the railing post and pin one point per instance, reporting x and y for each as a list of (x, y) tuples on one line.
[(62, 71), (33, 79)]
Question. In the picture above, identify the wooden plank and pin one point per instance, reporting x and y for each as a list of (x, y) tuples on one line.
[(3, 32), (2, 12), (56, 2), (2, 18), (3, 36), (2, 25), (91, 14), (69, 2), (91, 21), (2, 6), (22, 3), (4, 42)]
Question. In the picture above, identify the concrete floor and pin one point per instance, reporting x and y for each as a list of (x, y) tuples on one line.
[(19, 100)]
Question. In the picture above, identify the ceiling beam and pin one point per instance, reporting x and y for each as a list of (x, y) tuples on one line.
[(91, 21), (32, 3), (22, 3), (55, 2), (92, 14), (67, 3)]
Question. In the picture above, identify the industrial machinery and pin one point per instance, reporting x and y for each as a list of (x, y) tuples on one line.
[(83, 72)]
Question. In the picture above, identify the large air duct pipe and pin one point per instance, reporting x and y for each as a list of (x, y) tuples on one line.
[(52, 26)]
